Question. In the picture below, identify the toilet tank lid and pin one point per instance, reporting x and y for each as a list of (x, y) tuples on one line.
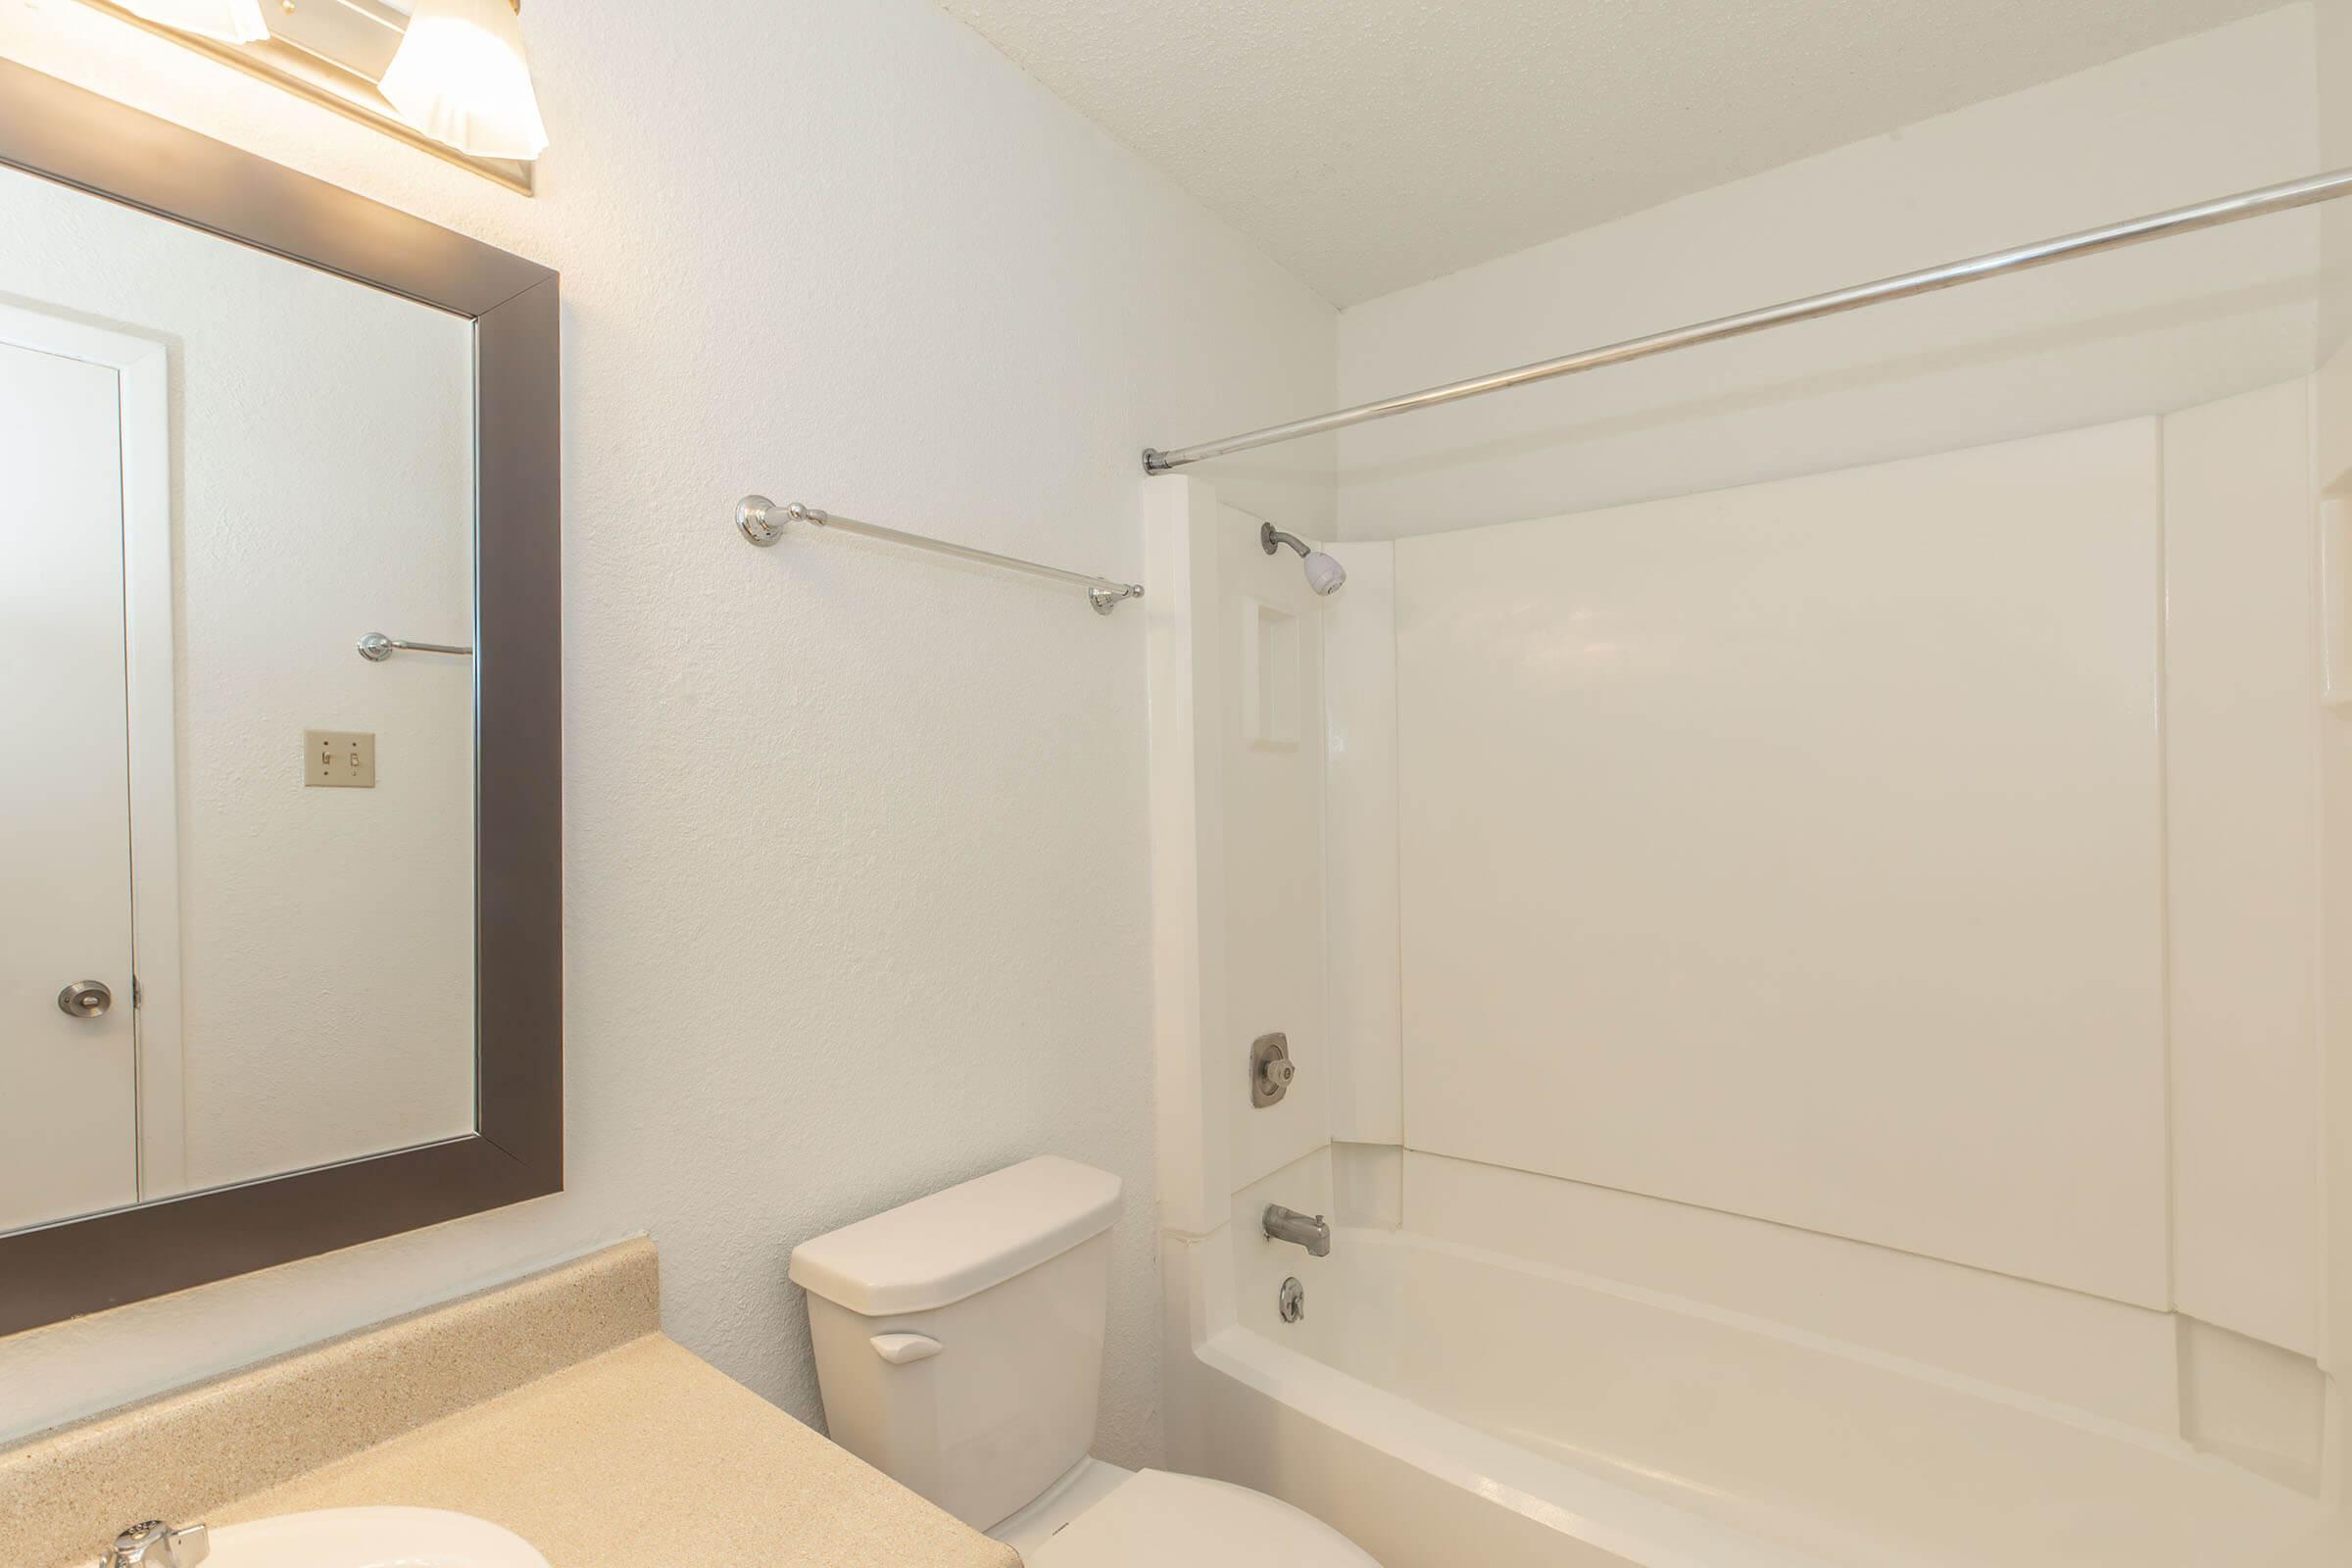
[(957, 1243)]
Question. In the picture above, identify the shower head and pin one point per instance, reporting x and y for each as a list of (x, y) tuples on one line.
[(1325, 575)]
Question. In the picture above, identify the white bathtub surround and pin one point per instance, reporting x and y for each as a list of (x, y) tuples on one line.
[(1787, 877), (1367, 1185), (2254, 1404), (2106, 1358), (2164, 1375), (2244, 856), (1767, 849), (1236, 659), (1869, 966), (2255, 781), (1361, 839)]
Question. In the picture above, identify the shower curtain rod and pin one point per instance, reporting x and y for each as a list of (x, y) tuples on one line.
[(1994, 263)]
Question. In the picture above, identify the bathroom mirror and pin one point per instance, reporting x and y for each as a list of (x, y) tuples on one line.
[(279, 802)]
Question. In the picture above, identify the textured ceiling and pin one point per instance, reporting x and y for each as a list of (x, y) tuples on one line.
[(1370, 145)]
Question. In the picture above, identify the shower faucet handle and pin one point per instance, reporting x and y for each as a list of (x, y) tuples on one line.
[(1270, 1068)]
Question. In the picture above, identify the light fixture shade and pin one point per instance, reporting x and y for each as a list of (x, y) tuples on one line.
[(237, 21), (459, 77)]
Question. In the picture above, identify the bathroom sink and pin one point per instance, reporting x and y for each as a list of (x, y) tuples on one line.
[(370, 1538)]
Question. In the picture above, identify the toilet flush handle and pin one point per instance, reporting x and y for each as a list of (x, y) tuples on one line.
[(899, 1349)]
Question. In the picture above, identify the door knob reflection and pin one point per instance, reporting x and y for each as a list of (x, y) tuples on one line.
[(85, 998)]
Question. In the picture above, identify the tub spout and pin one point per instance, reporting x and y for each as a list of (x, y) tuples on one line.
[(1308, 1229)]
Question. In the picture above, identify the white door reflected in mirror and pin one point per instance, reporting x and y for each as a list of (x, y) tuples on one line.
[(67, 1142), (287, 973)]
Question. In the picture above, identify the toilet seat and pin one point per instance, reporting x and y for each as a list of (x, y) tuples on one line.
[(1156, 1520)]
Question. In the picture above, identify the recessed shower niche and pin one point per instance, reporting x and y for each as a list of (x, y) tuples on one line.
[(1269, 676)]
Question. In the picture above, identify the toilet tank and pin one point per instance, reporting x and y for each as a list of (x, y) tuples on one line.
[(959, 1337)]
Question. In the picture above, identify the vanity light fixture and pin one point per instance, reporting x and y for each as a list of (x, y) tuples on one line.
[(446, 77), (237, 21), (461, 78)]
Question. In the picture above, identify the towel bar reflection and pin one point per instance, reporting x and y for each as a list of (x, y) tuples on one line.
[(763, 523), (375, 648)]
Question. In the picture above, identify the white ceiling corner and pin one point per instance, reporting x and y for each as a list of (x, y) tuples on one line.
[(1370, 145)]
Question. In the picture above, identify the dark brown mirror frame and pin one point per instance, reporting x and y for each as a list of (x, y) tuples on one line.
[(64, 133)]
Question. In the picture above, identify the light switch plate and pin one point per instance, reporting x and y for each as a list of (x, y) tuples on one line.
[(338, 760)]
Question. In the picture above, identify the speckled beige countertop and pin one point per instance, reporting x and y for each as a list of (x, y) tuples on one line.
[(646, 1457), (553, 1406)]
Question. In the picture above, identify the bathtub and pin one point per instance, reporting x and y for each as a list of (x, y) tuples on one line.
[(1446, 1405)]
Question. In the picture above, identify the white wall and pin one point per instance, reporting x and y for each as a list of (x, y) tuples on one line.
[(2143, 331), (855, 878), (322, 487)]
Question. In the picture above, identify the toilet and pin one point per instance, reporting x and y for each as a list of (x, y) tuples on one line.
[(960, 1350)]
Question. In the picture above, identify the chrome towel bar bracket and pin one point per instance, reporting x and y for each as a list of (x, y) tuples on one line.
[(763, 522)]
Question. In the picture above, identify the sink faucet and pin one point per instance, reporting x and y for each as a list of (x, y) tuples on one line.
[(155, 1544), (1308, 1230)]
